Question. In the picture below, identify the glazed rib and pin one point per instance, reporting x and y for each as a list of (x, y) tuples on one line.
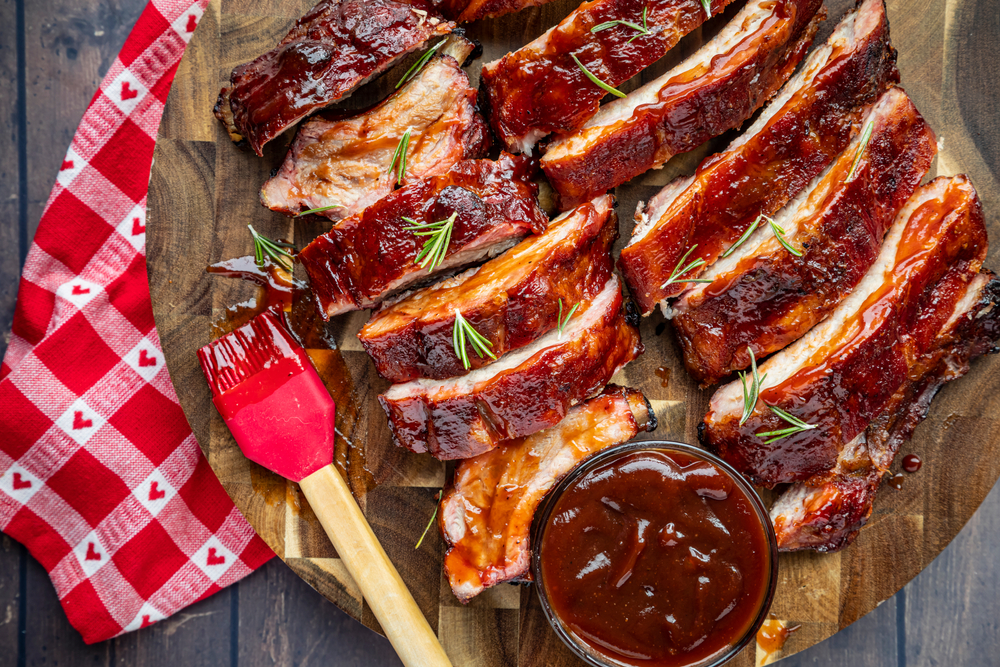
[(539, 89), (466, 11), (714, 90), (330, 52), (763, 296), (346, 161), (523, 392), (369, 256), (826, 512), (511, 300), (799, 133), (842, 374), (487, 511)]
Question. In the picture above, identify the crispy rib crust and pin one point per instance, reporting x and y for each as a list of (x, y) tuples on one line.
[(330, 52), (346, 160), (486, 512), (803, 129), (538, 89), (765, 297), (714, 90), (826, 512), (511, 300), (522, 393), (843, 373), (370, 256)]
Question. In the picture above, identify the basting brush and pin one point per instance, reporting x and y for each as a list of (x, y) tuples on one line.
[(282, 417)]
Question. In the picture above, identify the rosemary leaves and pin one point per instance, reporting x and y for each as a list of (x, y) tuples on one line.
[(399, 157), (436, 246), (463, 333), (431, 522), (597, 82), (419, 65), (680, 270), (751, 392), (707, 6), (750, 230), (866, 135), (319, 209), (779, 234), (797, 426), (642, 30), (563, 322), (276, 250)]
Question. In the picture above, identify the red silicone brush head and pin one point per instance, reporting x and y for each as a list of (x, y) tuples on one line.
[(272, 399)]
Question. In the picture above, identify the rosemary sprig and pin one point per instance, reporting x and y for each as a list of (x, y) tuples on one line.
[(751, 393), (595, 80), (464, 332), (564, 322), (429, 523), (318, 210), (680, 270), (642, 29), (276, 250), (866, 135), (707, 6), (436, 246), (797, 426), (779, 234), (750, 230), (400, 156), (419, 65)]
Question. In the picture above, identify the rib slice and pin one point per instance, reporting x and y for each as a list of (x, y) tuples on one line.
[(510, 300), (763, 296), (539, 89), (466, 11), (826, 512), (487, 511), (523, 392), (842, 374), (800, 132), (369, 256), (330, 52), (347, 161), (714, 90)]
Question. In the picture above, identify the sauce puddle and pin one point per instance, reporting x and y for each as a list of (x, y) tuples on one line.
[(771, 639)]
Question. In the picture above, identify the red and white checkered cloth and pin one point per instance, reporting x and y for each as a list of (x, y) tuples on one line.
[(100, 475)]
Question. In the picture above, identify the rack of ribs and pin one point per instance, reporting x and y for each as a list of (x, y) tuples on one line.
[(330, 52), (764, 296), (511, 300), (521, 393), (714, 90), (371, 255), (466, 11), (800, 132), (348, 161), (487, 511), (826, 511), (539, 89), (843, 374)]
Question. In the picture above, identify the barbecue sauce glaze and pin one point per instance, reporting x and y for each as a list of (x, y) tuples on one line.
[(655, 558)]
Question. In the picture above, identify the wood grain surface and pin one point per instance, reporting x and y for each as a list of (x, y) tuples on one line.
[(203, 192), (946, 616)]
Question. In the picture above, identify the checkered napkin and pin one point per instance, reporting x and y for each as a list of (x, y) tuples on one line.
[(101, 476)]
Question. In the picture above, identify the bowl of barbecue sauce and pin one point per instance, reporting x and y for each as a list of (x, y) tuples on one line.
[(655, 554)]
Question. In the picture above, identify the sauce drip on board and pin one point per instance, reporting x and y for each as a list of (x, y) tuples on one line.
[(277, 286), (772, 636), (655, 558), (912, 463), (664, 374), (896, 481)]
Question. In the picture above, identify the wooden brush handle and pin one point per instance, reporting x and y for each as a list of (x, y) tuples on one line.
[(387, 595)]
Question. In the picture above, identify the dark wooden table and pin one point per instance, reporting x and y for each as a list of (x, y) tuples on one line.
[(53, 54)]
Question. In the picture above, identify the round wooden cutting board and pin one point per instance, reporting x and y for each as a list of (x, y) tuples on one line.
[(204, 192)]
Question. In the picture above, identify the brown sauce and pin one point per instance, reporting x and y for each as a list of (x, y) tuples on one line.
[(912, 463), (896, 481), (772, 636), (656, 557), (664, 374)]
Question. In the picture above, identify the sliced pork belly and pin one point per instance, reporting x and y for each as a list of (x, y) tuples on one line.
[(346, 161), (487, 511), (826, 512), (714, 90), (539, 89), (369, 256), (523, 392), (511, 300), (763, 296), (330, 52), (842, 374), (798, 135)]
